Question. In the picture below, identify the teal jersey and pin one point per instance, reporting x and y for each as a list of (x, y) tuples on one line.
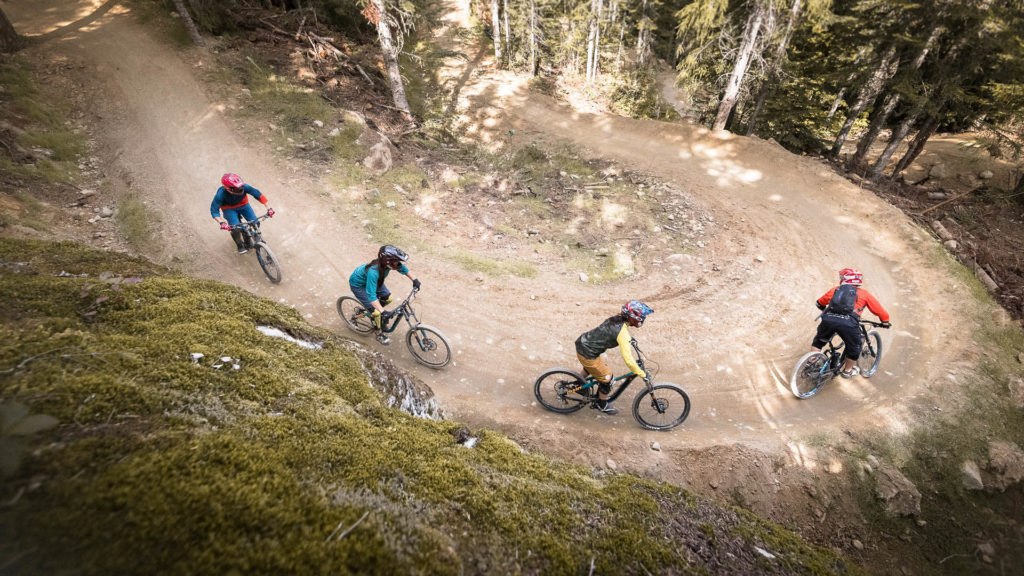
[(368, 277)]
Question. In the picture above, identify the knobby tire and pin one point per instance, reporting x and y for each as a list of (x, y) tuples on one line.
[(663, 407), (268, 262), (428, 346), (354, 315), (812, 371), (552, 391), (870, 355)]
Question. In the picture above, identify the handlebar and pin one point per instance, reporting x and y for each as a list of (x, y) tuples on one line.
[(875, 324), (242, 223)]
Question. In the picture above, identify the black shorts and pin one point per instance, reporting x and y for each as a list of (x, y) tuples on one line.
[(848, 329)]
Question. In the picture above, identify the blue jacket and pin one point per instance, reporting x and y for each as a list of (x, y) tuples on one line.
[(224, 200)]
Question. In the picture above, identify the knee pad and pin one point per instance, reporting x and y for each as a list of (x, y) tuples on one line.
[(605, 387), (386, 301)]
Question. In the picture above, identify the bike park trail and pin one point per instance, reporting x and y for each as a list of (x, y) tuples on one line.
[(731, 319)]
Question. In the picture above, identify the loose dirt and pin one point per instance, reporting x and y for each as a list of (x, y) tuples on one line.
[(731, 318)]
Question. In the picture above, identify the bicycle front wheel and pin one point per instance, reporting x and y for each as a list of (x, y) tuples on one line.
[(663, 407), (811, 373), (353, 313), (268, 262), (870, 354), (561, 391), (428, 346)]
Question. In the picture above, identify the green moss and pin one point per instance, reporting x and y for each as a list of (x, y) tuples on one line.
[(289, 464), (133, 221), (476, 263)]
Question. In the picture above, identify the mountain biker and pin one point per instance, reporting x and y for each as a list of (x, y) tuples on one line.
[(232, 199), (841, 309), (367, 284), (611, 333)]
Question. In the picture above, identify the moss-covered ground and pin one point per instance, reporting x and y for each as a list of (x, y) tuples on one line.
[(154, 462)]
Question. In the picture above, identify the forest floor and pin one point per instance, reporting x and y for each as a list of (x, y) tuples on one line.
[(730, 239)]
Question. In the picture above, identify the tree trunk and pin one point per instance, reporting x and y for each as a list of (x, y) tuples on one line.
[(190, 25), (387, 49), (874, 128), (593, 39), (867, 93), (898, 135), (533, 38), (882, 116), (618, 54), (917, 146), (496, 31), (642, 25), (739, 70), (10, 41), (842, 91), (775, 70), (508, 33)]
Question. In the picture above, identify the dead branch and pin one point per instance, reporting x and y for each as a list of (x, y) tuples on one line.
[(352, 527), (31, 358), (957, 197)]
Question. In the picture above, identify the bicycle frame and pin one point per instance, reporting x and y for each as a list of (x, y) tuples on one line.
[(625, 379), (402, 311), (250, 230), (836, 352)]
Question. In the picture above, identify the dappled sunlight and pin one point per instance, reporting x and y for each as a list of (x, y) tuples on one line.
[(728, 172), (46, 18), (775, 198)]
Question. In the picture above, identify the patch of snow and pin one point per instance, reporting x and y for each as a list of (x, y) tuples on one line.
[(471, 442), (276, 333), (764, 553)]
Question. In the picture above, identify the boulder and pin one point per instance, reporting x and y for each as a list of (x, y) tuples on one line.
[(938, 171), (1016, 387), (900, 496), (1006, 462), (985, 174), (971, 476)]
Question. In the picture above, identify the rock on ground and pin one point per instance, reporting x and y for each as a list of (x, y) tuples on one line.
[(1006, 461), (899, 494)]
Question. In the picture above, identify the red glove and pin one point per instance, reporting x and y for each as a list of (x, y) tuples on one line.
[(225, 226), (270, 212)]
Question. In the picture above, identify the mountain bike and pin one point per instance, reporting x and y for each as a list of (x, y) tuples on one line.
[(660, 406), (427, 345), (252, 239), (814, 369)]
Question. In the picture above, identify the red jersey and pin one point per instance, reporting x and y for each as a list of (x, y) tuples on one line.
[(864, 300)]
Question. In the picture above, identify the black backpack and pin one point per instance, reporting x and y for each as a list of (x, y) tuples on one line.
[(844, 301)]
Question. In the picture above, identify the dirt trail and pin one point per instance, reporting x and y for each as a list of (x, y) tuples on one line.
[(729, 322)]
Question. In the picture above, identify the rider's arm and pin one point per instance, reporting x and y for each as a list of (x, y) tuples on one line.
[(824, 300), (371, 288), (873, 305), (215, 207), (627, 351), (255, 193)]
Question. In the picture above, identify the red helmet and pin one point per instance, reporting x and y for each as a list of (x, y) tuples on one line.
[(232, 182), (851, 276), (636, 312)]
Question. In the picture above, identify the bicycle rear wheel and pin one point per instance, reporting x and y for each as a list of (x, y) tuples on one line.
[(663, 407), (870, 354), (428, 346), (561, 390), (353, 313), (812, 371), (268, 262)]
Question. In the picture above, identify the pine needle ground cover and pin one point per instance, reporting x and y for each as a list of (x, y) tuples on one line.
[(124, 452)]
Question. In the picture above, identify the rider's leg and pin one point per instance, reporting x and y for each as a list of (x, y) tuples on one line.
[(850, 333), (247, 213), (232, 217), (384, 295), (360, 293), (599, 370)]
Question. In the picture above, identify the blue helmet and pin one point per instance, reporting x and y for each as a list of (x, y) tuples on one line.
[(636, 311)]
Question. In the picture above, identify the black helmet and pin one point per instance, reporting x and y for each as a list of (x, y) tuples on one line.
[(391, 257)]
